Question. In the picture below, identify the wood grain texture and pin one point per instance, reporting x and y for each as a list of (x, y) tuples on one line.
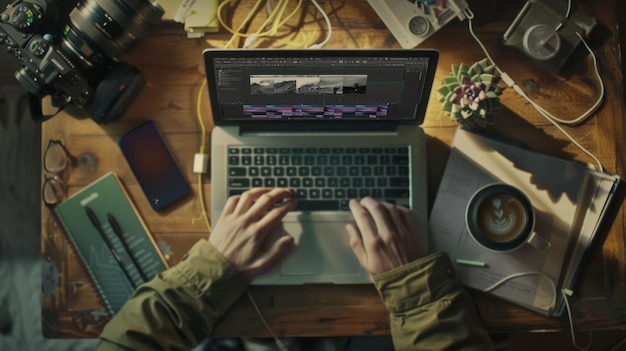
[(174, 72)]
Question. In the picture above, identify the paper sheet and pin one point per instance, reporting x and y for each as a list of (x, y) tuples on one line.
[(551, 184)]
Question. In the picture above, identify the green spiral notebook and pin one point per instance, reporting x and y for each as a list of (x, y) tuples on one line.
[(114, 223)]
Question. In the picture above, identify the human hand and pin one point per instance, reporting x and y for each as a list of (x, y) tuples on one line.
[(384, 235), (244, 231)]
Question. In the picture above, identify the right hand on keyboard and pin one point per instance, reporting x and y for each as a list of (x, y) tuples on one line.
[(383, 237)]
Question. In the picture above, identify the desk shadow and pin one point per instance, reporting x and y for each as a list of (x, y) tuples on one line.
[(509, 128), (527, 136), (514, 130)]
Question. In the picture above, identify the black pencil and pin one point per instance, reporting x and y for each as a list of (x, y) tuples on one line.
[(96, 223), (118, 231)]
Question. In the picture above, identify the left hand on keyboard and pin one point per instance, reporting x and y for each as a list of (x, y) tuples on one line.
[(243, 233)]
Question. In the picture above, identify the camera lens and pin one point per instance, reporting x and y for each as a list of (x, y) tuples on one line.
[(99, 30)]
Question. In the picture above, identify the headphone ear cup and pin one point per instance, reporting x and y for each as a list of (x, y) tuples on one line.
[(115, 93)]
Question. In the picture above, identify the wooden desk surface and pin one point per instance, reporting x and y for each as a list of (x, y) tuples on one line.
[(174, 72)]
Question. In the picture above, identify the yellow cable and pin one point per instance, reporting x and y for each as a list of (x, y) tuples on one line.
[(277, 13), (274, 20), (204, 210), (278, 24), (236, 33), (266, 23), (199, 114), (226, 26), (220, 19), (202, 150), (274, 16)]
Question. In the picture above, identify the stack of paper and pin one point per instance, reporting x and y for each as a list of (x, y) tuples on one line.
[(569, 199)]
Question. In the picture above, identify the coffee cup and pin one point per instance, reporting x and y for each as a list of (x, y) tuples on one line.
[(501, 218)]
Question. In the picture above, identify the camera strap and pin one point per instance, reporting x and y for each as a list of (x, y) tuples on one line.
[(36, 110)]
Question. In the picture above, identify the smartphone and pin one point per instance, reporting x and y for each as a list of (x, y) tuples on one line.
[(154, 167)]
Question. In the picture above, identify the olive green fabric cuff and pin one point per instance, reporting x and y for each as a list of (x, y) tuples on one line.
[(208, 273), (417, 283)]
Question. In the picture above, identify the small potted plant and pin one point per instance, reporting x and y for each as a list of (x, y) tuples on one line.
[(470, 94)]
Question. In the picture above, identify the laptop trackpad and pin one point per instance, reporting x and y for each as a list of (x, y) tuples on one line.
[(321, 249)]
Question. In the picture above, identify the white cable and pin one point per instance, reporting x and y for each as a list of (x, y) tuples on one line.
[(567, 13), (565, 292), (618, 346), (571, 322), (268, 8), (270, 14), (569, 8), (552, 304), (594, 107), (552, 119), (328, 25)]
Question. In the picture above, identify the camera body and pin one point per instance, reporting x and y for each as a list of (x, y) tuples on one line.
[(75, 58), (547, 32)]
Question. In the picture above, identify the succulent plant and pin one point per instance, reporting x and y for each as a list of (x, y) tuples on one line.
[(470, 94)]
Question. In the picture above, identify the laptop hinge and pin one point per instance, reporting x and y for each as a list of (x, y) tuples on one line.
[(322, 128)]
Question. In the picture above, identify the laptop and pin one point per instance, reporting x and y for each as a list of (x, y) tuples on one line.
[(329, 124)]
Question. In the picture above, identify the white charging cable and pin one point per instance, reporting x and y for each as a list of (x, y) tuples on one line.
[(550, 306), (276, 21), (555, 121), (329, 27), (566, 294), (551, 118)]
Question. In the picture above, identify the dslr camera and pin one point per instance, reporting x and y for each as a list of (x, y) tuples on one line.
[(72, 53)]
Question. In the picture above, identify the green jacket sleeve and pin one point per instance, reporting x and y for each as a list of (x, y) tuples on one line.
[(179, 307), (429, 309)]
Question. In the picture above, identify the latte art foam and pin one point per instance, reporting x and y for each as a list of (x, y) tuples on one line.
[(501, 218)]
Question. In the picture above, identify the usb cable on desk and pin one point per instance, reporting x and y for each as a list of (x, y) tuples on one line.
[(551, 118)]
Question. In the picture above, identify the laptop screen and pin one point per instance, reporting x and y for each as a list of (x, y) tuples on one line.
[(319, 85)]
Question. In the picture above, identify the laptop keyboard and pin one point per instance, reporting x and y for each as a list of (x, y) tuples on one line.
[(323, 178)]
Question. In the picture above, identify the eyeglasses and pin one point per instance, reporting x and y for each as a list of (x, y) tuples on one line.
[(55, 160)]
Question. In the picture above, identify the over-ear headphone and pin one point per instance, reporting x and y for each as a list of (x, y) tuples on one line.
[(115, 93), (110, 100)]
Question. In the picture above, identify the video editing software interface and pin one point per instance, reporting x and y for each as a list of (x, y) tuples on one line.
[(305, 88)]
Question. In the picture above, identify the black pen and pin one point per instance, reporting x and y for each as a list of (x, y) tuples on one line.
[(117, 229), (96, 223)]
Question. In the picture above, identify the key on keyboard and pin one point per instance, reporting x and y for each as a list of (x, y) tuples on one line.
[(324, 178)]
